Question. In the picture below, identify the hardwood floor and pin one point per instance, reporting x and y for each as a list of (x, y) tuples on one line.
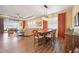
[(17, 44)]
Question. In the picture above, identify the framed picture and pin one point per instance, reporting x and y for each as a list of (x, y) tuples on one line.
[(76, 20)]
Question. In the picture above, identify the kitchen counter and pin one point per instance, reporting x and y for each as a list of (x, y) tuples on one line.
[(71, 33)]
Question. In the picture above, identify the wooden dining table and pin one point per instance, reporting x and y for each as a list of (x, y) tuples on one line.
[(44, 33)]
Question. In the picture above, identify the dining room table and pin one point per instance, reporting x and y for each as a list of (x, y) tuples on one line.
[(44, 33)]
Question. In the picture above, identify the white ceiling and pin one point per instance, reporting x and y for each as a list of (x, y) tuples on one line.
[(30, 10)]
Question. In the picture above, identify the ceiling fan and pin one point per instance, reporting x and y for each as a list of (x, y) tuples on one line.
[(17, 17)]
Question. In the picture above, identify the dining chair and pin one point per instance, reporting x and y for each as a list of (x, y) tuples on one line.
[(52, 38), (37, 39), (35, 34)]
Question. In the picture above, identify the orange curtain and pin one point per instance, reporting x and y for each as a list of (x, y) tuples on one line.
[(24, 24), (61, 24), (45, 24)]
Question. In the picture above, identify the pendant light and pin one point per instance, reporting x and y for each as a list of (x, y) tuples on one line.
[(45, 17)]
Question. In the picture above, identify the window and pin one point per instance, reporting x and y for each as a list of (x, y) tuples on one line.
[(10, 24), (53, 23)]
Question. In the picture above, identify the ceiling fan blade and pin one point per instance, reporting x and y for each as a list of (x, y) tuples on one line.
[(28, 17)]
